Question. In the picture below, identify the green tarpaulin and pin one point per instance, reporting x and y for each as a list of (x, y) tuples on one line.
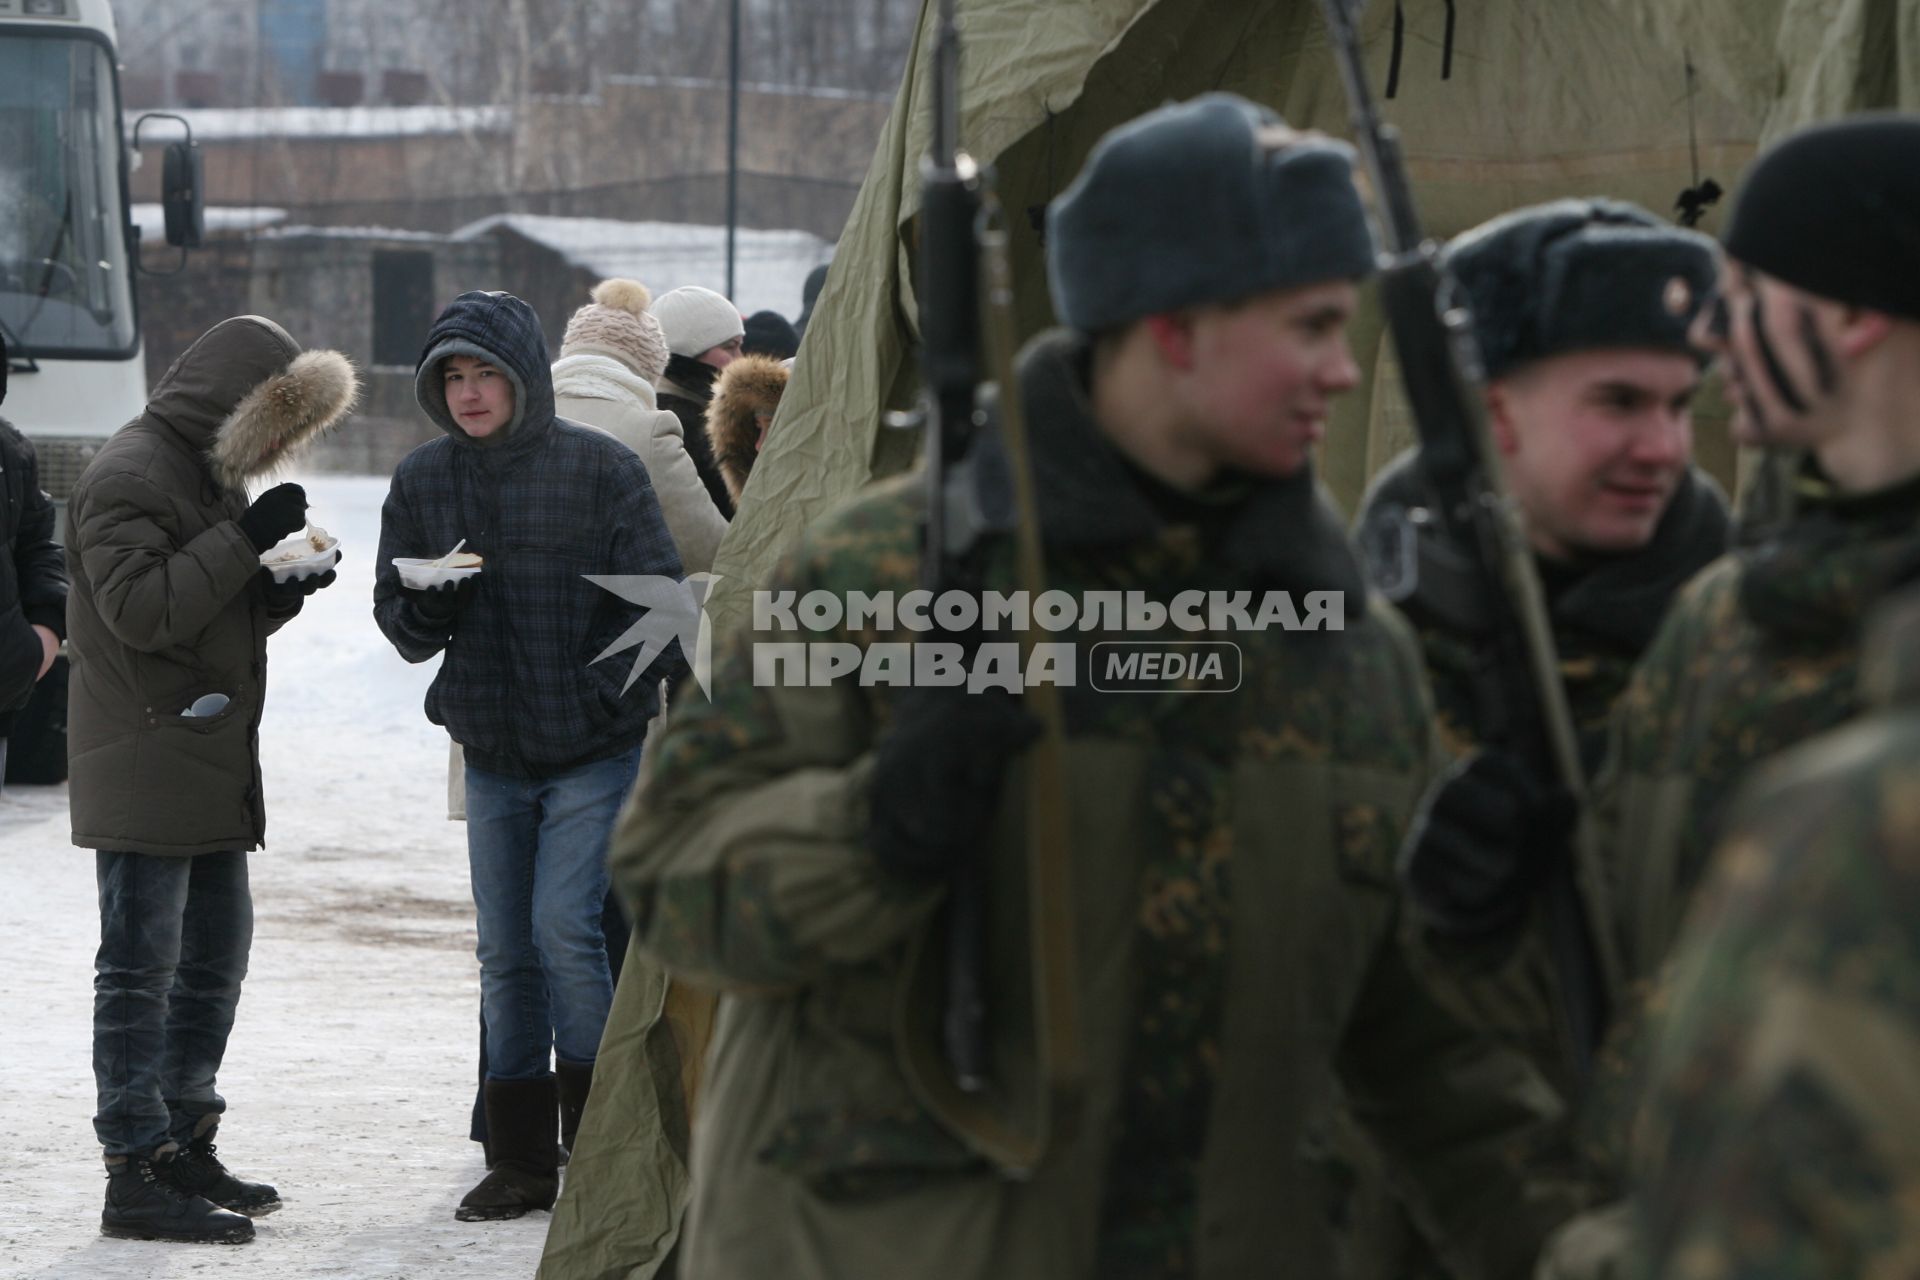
[(1539, 100)]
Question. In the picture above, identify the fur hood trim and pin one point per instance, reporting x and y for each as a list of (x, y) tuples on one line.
[(589, 375), (283, 414), (750, 386)]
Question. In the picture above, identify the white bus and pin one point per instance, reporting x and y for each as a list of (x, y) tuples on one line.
[(67, 246), (68, 250)]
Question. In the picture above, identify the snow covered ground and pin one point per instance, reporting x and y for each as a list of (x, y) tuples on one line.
[(350, 1072)]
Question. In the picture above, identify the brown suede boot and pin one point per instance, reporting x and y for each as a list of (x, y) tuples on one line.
[(520, 1123), (575, 1080)]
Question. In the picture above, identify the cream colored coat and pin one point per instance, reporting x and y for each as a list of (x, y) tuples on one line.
[(599, 391)]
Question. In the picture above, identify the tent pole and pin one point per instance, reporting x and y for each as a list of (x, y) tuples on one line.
[(733, 140)]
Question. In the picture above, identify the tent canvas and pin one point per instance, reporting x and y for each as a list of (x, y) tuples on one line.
[(1524, 102), (1538, 101)]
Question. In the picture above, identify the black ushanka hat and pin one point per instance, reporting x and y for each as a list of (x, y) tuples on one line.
[(1580, 275)]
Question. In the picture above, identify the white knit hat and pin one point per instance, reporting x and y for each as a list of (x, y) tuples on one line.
[(617, 323), (697, 320)]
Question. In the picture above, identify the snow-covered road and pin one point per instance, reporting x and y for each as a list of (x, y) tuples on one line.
[(350, 1071)]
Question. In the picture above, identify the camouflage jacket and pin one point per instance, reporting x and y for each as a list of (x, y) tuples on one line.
[(1781, 1135), (1232, 867), (1760, 653), (1603, 618)]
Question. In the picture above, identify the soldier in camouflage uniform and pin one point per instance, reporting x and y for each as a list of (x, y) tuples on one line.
[(1781, 1136), (1818, 324), (1231, 853), (1581, 310)]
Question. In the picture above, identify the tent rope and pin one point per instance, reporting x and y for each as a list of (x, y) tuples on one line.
[(1399, 46), (1400, 43), (1692, 203)]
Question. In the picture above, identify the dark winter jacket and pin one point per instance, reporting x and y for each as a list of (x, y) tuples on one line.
[(1604, 614), (33, 573), (686, 389), (544, 503), (168, 600)]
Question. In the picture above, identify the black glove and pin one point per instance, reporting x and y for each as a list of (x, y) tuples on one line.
[(1485, 832), (937, 776), (284, 593), (279, 511), (438, 606)]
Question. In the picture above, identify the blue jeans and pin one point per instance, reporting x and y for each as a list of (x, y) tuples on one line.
[(174, 938), (537, 848)]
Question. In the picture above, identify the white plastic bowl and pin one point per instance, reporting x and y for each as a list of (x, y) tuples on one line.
[(424, 575), (294, 558)]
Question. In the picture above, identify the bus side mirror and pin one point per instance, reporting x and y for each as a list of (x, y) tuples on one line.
[(183, 195)]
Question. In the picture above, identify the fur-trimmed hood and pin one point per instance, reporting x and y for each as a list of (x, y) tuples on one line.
[(750, 386), (246, 396)]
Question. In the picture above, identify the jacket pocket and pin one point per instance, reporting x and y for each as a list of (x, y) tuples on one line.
[(162, 715), (850, 1128)]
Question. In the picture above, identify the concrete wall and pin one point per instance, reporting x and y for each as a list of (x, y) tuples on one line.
[(320, 288)]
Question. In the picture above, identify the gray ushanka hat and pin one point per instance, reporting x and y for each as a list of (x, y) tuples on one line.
[(1206, 201)]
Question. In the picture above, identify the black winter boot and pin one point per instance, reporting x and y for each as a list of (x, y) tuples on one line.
[(526, 1174), (574, 1080), (197, 1169), (144, 1203)]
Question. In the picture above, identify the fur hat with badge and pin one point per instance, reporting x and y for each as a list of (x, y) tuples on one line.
[(1580, 275), (619, 323)]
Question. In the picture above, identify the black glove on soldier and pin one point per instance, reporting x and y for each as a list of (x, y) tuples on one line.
[(937, 776), (280, 511), (1487, 829), (438, 606)]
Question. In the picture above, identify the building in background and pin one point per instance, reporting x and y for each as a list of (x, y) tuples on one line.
[(365, 160)]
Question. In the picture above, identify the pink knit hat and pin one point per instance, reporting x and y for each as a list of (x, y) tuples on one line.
[(617, 323)]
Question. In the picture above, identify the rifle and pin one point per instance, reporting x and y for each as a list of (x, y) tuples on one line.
[(979, 489), (949, 553), (1432, 330)]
